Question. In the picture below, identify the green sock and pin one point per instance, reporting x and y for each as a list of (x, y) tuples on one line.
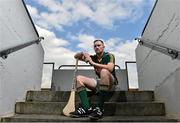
[(84, 98), (103, 95)]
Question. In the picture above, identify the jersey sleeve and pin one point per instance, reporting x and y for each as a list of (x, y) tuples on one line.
[(111, 58)]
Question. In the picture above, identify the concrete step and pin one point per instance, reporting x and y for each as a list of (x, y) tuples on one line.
[(118, 96), (59, 118), (111, 108)]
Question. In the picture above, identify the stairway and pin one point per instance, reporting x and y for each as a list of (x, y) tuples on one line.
[(124, 106)]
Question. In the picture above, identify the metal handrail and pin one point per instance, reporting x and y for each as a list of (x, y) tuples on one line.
[(4, 53), (81, 66), (162, 48)]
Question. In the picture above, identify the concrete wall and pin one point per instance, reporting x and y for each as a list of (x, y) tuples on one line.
[(157, 71), (22, 70), (15, 25), (63, 78)]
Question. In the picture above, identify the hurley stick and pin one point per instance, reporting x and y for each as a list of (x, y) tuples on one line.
[(70, 106)]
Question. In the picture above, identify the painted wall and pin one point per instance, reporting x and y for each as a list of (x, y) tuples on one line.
[(62, 82), (157, 71), (22, 70), (15, 25)]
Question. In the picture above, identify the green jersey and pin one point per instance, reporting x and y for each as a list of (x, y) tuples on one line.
[(106, 58)]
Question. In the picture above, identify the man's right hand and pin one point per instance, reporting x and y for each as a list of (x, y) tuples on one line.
[(82, 56), (78, 55)]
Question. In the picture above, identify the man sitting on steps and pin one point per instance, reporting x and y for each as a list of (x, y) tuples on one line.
[(104, 66)]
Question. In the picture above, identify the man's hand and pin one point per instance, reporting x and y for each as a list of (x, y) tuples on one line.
[(79, 56), (83, 57), (88, 58)]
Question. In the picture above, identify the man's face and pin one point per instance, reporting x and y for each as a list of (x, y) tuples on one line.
[(98, 47)]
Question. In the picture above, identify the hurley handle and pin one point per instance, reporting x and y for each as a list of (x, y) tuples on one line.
[(74, 77)]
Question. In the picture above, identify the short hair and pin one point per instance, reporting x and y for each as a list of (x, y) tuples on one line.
[(99, 40)]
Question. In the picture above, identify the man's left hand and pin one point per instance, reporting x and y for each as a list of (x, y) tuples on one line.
[(88, 58)]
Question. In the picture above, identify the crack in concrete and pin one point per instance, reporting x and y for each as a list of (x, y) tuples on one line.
[(177, 21), (166, 29), (159, 37)]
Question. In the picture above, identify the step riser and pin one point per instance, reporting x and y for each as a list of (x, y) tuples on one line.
[(119, 109), (124, 106), (143, 109), (119, 96)]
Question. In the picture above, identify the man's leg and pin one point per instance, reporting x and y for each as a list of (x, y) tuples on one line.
[(83, 83), (106, 80)]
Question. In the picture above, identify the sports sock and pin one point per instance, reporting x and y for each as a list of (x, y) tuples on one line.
[(103, 95), (84, 98)]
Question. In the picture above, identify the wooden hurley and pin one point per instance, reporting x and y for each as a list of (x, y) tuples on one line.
[(70, 106)]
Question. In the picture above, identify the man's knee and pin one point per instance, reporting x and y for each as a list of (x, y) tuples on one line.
[(79, 80), (104, 73)]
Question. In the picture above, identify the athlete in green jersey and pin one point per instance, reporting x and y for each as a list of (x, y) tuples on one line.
[(104, 66)]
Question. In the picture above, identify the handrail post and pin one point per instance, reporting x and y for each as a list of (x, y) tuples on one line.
[(127, 78), (53, 64)]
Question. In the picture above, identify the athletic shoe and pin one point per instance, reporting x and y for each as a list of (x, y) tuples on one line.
[(81, 112), (96, 114)]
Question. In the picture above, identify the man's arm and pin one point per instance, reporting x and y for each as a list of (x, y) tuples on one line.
[(109, 66), (80, 56)]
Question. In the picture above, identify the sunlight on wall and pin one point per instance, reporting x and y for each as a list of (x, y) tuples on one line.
[(132, 76)]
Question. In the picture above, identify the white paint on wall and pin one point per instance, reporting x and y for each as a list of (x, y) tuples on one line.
[(157, 71), (14, 23), (163, 27), (169, 93), (47, 76), (22, 70), (132, 76)]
